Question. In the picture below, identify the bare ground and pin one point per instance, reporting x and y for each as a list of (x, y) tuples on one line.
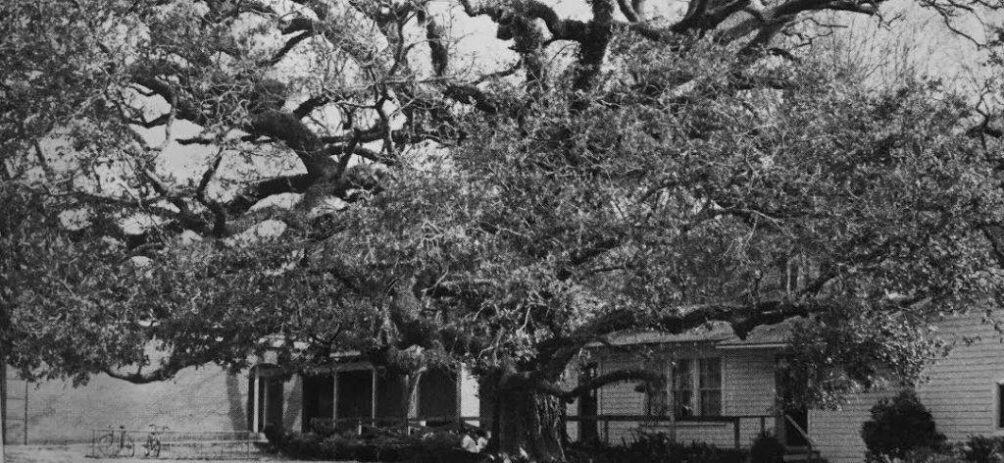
[(78, 454)]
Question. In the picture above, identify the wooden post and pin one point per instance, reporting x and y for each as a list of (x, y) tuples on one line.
[(735, 423), (458, 400), (26, 412), (3, 404), (373, 395), (255, 401), (763, 424), (334, 399)]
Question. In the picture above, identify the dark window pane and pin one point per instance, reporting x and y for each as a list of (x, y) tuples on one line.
[(683, 388), (656, 403), (711, 403), (711, 373), (683, 403), (681, 376)]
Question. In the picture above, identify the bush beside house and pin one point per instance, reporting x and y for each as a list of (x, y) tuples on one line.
[(767, 448), (898, 427)]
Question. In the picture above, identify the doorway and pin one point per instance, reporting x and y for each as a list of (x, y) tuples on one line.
[(266, 401), (318, 401), (795, 416)]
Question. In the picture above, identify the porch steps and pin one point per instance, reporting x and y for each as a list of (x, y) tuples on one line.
[(801, 454)]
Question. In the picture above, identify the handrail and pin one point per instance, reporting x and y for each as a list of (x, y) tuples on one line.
[(801, 431), (805, 434)]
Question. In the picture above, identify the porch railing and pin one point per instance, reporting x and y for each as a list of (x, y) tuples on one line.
[(758, 423), (738, 426)]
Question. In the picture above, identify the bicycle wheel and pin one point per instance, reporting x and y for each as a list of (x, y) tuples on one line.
[(152, 447), (107, 446), (128, 447)]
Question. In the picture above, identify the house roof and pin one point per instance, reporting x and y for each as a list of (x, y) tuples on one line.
[(718, 333)]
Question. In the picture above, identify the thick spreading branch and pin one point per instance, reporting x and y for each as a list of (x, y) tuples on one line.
[(619, 376)]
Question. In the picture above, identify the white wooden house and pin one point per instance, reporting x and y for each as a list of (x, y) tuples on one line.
[(718, 384), (711, 373)]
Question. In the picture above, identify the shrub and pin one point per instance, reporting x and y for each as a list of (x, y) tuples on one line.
[(653, 448), (766, 449), (943, 454), (437, 447), (899, 426), (980, 449), (323, 426)]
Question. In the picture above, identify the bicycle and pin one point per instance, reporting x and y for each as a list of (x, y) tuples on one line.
[(110, 445), (152, 444)]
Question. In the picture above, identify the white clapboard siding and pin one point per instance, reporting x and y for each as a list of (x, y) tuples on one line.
[(620, 398), (749, 390), (958, 389), (837, 433)]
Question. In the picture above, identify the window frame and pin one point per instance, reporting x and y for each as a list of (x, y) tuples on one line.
[(701, 389), (666, 401)]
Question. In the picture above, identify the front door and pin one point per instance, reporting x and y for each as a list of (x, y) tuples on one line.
[(794, 418)]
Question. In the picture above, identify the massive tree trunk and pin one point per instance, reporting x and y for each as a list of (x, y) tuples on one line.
[(529, 422)]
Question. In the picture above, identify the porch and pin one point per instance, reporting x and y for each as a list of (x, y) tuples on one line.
[(349, 396), (737, 432)]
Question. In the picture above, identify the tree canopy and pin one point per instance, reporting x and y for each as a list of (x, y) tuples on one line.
[(220, 178)]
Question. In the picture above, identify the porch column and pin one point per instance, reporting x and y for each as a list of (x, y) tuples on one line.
[(468, 402), (672, 416), (413, 399), (255, 405), (458, 399), (373, 396), (334, 397)]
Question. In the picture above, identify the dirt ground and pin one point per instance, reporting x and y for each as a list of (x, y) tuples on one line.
[(78, 454)]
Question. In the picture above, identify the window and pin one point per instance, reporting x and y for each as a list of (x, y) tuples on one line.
[(657, 398), (710, 384), (683, 388), (695, 387)]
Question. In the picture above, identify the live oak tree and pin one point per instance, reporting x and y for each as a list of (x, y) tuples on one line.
[(665, 174)]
